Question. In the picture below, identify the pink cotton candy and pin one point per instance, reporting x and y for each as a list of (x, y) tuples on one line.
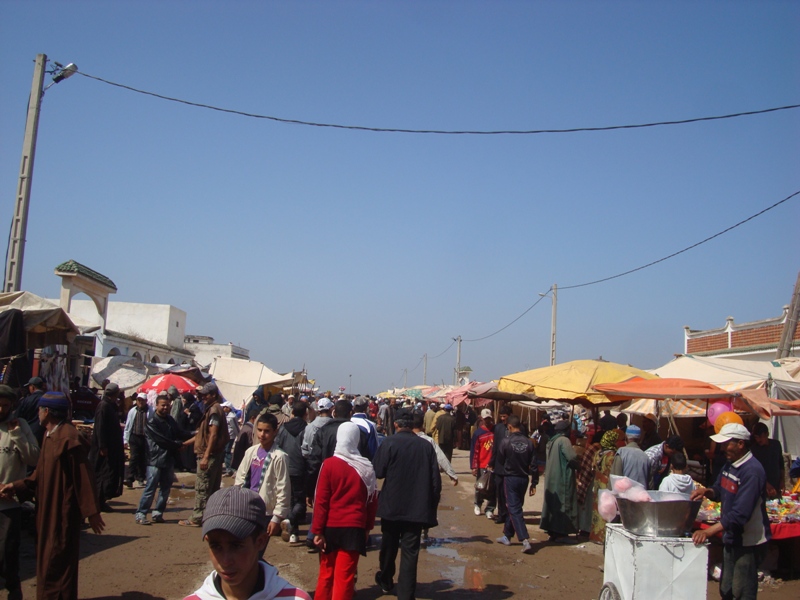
[(622, 485), (638, 495), (607, 505)]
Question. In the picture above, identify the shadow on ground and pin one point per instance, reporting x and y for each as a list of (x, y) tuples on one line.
[(129, 596)]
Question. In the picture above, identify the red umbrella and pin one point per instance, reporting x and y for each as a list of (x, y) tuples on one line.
[(161, 383)]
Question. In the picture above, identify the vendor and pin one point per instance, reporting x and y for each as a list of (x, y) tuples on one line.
[(741, 487), (770, 454)]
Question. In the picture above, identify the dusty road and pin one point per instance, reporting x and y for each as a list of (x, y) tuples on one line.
[(168, 562)]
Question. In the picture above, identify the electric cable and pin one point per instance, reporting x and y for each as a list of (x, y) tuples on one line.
[(630, 271), (438, 131)]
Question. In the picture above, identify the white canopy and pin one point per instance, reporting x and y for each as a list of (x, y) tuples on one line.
[(237, 379), (46, 323)]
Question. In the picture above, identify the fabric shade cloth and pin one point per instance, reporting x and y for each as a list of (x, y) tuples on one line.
[(667, 388), (571, 382), (45, 323), (161, 383)]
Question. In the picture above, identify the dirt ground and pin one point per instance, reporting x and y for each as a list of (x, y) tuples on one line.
[(166, 562)]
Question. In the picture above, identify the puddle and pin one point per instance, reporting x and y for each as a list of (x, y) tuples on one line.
[(445, 552)]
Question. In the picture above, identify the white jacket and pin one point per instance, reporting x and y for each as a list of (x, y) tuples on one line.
[(275, 586), (674, 482), (276, 489)]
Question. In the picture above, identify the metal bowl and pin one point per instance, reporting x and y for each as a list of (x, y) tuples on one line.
[(660, 518)]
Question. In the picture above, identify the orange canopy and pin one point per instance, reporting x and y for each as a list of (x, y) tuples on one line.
[(666, 388)]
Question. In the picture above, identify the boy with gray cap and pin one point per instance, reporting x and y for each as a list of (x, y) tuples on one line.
[(235, 528)]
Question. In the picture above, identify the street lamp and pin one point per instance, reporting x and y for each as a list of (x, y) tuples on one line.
[(554, 299), (19, 224), (350, 388)]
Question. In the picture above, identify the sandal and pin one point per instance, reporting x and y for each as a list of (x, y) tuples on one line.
[(188, 523)]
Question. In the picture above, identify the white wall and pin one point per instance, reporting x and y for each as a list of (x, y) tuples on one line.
[(160, 323)]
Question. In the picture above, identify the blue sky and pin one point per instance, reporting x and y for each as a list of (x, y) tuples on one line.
[(356, 253)]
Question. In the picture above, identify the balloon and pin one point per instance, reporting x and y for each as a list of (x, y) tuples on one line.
[(725, 418), (717, 409)]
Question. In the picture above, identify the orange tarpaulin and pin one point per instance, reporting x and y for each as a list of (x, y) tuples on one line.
[(667, 388)]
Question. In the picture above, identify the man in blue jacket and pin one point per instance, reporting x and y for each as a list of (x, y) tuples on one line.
[(741, 487)]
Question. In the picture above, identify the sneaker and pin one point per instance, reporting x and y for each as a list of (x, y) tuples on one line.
[(477, 511), (503, 540), (158, 519), (526, 547), (141, 520), (285, 530), (489, 514), (293, 539)]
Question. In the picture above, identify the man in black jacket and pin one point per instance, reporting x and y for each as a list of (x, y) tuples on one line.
[(496, 463), (289, 439), (164, 439), (518, 456), (107, 453), (407, 502)]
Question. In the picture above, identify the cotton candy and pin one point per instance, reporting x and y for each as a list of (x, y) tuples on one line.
[(606, 505)]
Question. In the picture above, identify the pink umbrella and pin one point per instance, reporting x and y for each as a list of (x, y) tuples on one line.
[(161, 383)]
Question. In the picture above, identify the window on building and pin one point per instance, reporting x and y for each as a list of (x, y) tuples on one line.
[(137, 355), (113, 352), (155, 359)]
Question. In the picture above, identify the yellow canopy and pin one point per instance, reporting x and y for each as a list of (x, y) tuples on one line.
[(570, 381)]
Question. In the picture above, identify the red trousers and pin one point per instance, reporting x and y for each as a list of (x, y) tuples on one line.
[(337, 575)]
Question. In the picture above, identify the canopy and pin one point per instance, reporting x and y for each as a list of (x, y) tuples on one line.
[(733, 374), (126, 371), (667, 388), (237, 379), (571, 381), (46, 324)]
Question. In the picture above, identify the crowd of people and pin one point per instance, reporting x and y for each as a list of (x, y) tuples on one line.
[(287, 455)]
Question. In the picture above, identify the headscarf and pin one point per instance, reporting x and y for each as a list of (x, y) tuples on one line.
[(347, 437), (609, 440)]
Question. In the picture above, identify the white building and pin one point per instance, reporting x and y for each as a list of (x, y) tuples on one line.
[(205, 350)]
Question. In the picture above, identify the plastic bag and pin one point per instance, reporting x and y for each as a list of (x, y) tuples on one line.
[(636, 494), (619, 484), (607, 505)]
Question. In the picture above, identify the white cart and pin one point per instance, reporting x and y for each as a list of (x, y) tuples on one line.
[(639, 567)]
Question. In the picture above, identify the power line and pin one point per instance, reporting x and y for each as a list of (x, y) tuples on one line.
[(438, 131), (443, 351), (527, 310), (674, 254), (650, 264)]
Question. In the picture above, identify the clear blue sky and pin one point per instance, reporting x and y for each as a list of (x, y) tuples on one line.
[(356, 253)]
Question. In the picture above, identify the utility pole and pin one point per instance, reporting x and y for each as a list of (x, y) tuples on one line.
[(405, 378), (553, 326), (425, 369), (790, 326), (19, 224), (458, 360)]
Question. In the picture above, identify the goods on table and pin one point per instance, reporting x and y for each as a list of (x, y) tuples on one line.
[(784, 510), (709, 511)]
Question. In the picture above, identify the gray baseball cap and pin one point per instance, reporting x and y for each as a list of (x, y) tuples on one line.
[(237, 510)]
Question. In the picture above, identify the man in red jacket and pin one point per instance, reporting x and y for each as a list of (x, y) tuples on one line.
[(480, 452)]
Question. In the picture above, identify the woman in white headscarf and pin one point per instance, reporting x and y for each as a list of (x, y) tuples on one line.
[(345, 504)]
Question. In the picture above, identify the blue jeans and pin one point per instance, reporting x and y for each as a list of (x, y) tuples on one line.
[(515, 496), (160, 478)]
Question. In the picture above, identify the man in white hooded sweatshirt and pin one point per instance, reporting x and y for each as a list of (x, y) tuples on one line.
[(235, 528)]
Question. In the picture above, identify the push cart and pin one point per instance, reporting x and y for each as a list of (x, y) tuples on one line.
[(653, 568)]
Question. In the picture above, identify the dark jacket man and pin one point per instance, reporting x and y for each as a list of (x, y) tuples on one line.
[(407, 503)]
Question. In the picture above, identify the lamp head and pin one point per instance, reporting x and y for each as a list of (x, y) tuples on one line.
[(65, 72)]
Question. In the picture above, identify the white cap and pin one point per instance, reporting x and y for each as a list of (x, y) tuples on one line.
[(141, 396), (486, 413), (731, 431), (324, 404)]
